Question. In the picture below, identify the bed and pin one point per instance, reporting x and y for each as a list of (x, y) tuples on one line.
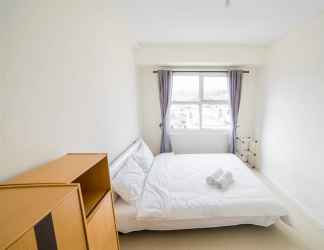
[(175, 195)]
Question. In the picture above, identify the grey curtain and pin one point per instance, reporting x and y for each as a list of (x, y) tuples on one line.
[(235, 86), (165, 85)]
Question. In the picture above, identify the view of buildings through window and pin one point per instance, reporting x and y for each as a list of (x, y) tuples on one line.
[(199, 101)]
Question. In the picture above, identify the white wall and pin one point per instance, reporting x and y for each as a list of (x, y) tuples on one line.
[(67, 82), (150, 112), (195, 141), (199, 54), (290, 119)]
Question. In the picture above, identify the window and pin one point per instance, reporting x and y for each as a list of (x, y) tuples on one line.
[(199, 101)]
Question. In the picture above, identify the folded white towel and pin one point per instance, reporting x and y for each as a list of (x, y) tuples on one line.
[(224, 181), (211, 180)]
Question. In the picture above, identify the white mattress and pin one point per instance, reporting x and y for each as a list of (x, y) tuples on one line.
[(176, 196), (127, 222)]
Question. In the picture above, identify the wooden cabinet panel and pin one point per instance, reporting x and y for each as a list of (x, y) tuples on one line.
[(42, 216), (68, 224), (26, 242), (94, 184), (101, 226)]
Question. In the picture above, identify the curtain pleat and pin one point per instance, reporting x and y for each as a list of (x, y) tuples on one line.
[(235, 86), (165, 85)]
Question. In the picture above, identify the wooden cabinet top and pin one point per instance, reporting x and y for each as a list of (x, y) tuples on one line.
[(62, 170)]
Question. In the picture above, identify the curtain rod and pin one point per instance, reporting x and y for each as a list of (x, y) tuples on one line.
[(204, 71)]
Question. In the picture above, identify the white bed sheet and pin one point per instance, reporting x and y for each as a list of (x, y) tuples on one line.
[(176, 196)]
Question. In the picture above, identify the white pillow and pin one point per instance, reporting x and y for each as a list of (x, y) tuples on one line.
[(144, 157), (129, 181)]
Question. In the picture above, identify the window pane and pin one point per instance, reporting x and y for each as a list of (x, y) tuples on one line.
[(183, 116), (185, 88), (215, 88), (215, 116)]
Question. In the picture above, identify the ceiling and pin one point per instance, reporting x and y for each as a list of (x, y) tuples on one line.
[(210, 21)]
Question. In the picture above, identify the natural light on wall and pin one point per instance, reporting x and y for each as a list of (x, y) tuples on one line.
[(200, 101)]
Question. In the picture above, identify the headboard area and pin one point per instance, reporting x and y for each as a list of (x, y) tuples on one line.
[(118, 162)]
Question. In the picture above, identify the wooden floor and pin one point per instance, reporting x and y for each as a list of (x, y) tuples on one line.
[(277, 237)]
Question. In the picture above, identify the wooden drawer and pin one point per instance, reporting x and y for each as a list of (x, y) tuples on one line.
[(101, 226)]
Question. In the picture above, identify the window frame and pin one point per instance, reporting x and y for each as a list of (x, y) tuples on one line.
[(201, 101)]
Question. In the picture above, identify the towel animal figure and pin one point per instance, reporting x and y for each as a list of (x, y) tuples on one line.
[(211, 180), (224, 181), (220, 179)]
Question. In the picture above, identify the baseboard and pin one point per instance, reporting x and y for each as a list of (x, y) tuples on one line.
[(303, 210)]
